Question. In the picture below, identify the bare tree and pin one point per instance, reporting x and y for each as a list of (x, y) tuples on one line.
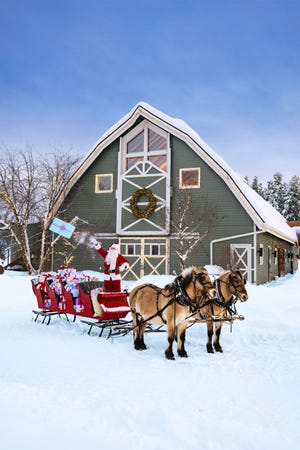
[(29, 188), (191, 223)]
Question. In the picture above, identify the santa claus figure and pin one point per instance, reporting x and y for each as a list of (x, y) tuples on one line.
[(114, 263)]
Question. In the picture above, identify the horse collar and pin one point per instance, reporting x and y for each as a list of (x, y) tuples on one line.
[(180, 294), (220, 300)]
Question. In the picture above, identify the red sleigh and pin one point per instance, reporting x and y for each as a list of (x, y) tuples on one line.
[(113, 306)]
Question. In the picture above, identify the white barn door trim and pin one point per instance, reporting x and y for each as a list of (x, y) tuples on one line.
[(147, 256), (241, 256)]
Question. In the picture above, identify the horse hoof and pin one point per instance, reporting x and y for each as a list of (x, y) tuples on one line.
[(183, 354), (140, 347), (218, 348), (209, 349), (170, 356)]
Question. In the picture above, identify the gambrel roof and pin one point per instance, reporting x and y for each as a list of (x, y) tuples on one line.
[(265, 217)]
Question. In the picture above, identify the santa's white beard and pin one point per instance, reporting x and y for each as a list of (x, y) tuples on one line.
[(111, 259)]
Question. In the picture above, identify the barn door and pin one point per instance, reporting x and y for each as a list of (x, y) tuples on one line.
[(147, 256), (240, 256), (281, 261)]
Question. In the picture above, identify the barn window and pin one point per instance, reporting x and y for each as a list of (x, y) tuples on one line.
[(147, 143), (155, 249), (104, 183), (136, 145), (131, 249), (189, 178)]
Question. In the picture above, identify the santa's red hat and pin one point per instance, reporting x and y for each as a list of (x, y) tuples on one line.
[(115, 246)]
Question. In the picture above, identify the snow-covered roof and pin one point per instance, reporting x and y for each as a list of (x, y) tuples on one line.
[(263, 214)]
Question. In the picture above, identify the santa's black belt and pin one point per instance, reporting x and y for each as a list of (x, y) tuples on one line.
[(112, 271)]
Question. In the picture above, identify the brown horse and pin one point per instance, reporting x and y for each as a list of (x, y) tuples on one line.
[(230, 287), (173, 305)]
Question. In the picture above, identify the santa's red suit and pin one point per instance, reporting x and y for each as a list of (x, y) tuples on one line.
[(114, 263)]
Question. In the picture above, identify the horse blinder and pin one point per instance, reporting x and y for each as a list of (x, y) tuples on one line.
[(205, 282)]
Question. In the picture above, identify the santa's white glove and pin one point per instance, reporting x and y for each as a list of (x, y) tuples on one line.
[(124, 266), (95, 243)]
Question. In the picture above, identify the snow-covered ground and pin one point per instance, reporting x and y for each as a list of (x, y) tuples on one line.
[(62, 389)]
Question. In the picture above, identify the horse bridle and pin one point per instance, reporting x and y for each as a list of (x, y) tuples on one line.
[(229, 305), (181, 296), (236, 287)]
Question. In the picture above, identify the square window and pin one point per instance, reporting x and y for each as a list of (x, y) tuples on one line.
[(189, 178), (130, 249), (154, 249), (104, 183)]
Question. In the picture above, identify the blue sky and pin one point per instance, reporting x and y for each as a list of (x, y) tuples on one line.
[(69, 69)]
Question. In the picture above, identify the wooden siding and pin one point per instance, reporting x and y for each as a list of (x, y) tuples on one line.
[(233, 219), (98, 209)]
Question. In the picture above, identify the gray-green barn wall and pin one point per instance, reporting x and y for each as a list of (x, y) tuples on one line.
[(268, 270), (98, 209), (232, 218)]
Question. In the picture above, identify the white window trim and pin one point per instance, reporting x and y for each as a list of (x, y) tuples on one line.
[(97, 176), (181, 185)]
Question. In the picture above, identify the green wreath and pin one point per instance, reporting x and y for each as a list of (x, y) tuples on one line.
[(142, 213)]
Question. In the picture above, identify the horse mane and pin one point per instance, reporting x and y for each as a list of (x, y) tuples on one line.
[(225, 272), (186, 277)]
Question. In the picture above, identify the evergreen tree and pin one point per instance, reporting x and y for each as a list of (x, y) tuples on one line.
[(292, 211), (276, 193), (256, 186), (285, 197)]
